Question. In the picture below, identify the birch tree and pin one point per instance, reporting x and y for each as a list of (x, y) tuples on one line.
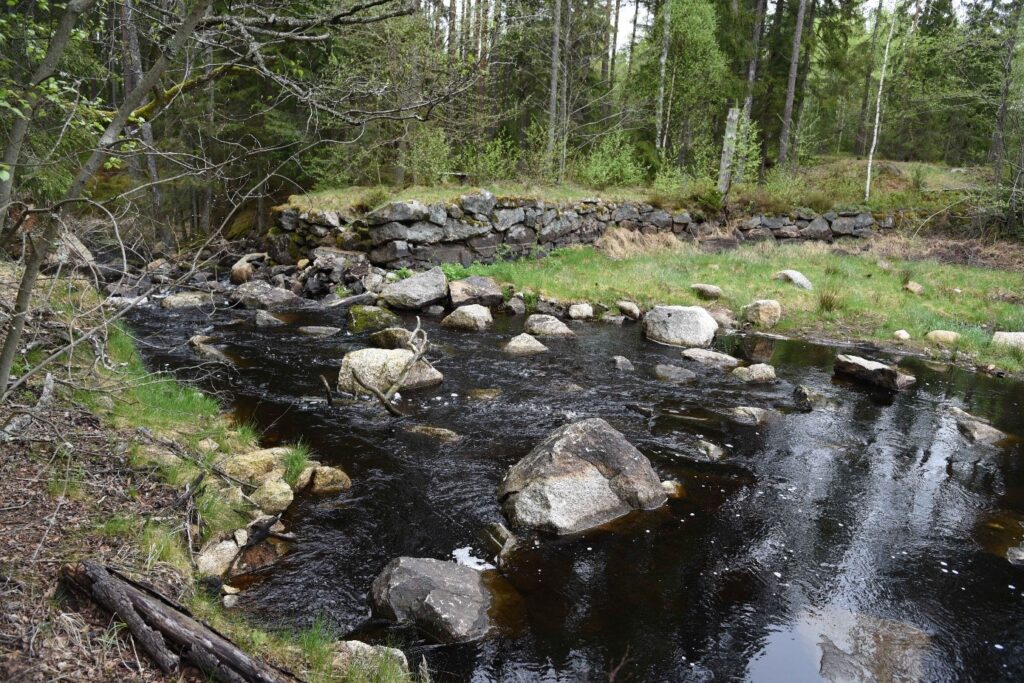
[(666, 27), (794, 62), (878, 106)]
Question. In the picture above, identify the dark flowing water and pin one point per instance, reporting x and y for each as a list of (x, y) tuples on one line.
[(861, 542)]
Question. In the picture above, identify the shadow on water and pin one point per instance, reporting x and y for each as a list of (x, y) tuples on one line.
[(859, 542)]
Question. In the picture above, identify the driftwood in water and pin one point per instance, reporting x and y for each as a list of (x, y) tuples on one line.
[(166, 631)]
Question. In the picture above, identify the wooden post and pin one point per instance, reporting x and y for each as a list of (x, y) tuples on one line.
[(728, 149)]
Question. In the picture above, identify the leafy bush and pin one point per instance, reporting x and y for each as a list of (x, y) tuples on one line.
[(669, 181), (454, 271), (371, 199), (611, 162), (491, 160), (428, 156), (538, 164)]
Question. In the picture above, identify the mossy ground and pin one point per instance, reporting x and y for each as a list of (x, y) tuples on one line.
[(856, 296)]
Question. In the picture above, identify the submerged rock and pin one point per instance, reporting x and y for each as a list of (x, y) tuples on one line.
[(763, 313), (759, 373), (808, 399), (380, 368), (370, 318), (673, 373), (472, 317), (319, 330), (975, 428), (523, 345), (872, 372), (708, 357), (547, 326), (437, 433), (680, 325), (476, 290), (418, 291), (710, 451), (447, 601), (749, 415), (265, 319), (582, 475), (622, 363)]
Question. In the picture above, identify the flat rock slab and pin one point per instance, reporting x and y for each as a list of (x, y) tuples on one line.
[(582, 475), (680, 326), (708, 357), (319, 330), (674, 373), (447, 601), (872, 372)]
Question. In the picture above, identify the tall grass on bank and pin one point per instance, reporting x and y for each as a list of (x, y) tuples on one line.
[(857, 296)]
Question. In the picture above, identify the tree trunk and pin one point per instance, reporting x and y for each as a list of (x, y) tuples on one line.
[(748, 99), (632, 39), (794, 62), (556, 46), (666, 27), (997, 149), (861, 140), (614, 46), (804, 80), (606, 41), (452, 38), (728, 149), (878, 107)]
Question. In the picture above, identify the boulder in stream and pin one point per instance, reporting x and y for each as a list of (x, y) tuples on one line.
[(680, 325), (447, 601), (391, 338), (523, 345), (872, 372), (547, 326), (975, 428), (181, 300), (758, 373), (472, 317), (258, 294), (322, 480), (380, 368), (265, 319), (709, 357), (319, 330), (673, 373), (582, 475), (417, 292), (370, 318)]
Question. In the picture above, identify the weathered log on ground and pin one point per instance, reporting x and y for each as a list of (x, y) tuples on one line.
[(166, 631)]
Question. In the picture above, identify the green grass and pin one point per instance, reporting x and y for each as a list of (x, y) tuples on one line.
[(295, 462), (856, 296)]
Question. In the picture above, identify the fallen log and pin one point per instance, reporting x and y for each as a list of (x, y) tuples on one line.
[(166, 631)]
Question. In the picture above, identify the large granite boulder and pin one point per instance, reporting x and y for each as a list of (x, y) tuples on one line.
[(380, 368), (523, 345), (447, 601), (584, 474), (763, 313), (472, 317), (417, 292), (872, 372), (476, 290), (680, 326), (258, 294), (542, 325)]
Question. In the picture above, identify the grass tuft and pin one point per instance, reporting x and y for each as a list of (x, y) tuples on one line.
[(295, 462)]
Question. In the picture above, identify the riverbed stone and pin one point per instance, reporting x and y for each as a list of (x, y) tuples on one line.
[(725, 318), (515, 306), (524, 345), (257, 294), (182, 300), (975, 428), (418, 291), (267, 319), (796, 278), (273, 495), (622, 363), (391, 338), (475, 290), (582, 475), (872, 372), (380, 368), (436, 433), (472, 317), (706, 291), (355, 655), (447, 601), (370, 318), (215, 558), (709, 357), (750, 415), (319, 330), (1013, 339), (582, 311), (322, 480), (690, 326), (763, 313), (807, 399), (543, 325), (673, 373), (628, 309), (759, 373), (254, 466)]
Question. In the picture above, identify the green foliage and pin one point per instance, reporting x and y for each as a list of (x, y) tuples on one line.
[(428, 155), (403, 273), (612, 161), (455, 271), (490, 159), (295, 461)]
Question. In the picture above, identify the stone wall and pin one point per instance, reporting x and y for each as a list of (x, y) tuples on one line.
[(482, 227)]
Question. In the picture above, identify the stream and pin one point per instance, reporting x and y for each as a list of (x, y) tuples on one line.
[(864, 541)]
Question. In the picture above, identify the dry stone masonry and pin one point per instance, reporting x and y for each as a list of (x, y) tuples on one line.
[(482, 227)]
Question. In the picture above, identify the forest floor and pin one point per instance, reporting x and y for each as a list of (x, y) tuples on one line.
[(98, 473), (858, 291)]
